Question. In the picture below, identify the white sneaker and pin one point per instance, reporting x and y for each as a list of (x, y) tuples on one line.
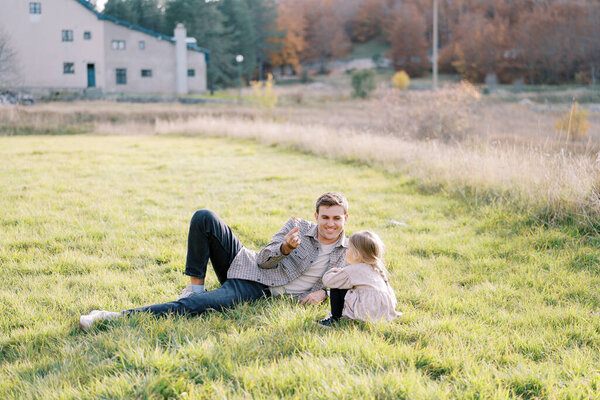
[(86, 321), (188, 291)]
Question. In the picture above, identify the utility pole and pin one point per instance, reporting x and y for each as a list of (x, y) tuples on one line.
[(239, 59), (434, 61)]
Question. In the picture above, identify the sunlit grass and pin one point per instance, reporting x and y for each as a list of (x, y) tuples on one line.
[(494, 304)]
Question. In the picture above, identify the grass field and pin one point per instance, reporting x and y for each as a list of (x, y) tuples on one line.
[(495, 305)]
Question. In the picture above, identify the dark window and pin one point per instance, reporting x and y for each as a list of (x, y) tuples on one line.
[(191, 72), (67, 35), (68, 68), (118, 45), (142, 45), (121, 76), (87, 35), (146, 73), (35, 8)]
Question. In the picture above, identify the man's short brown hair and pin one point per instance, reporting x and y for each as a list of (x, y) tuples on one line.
[(332, 199)]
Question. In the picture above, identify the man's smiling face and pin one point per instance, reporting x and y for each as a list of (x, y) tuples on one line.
[(330, 223)]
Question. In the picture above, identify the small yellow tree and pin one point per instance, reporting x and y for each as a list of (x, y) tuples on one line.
[(264, 95), (401, 80), (574, 123)]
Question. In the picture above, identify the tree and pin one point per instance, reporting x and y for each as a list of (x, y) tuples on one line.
[(363, 83), (407, 37), (291, 21), (145, 13), (238, 21), (119, 9), (545, 41), (369, 20), (205, 22), (264, 17), (325, 35), (481, 47), (592, 42), (9, 71)]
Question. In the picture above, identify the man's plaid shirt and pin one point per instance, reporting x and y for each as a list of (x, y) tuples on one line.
[(270, 267)]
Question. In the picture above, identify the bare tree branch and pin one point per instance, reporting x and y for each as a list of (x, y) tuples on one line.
[(8, 61)]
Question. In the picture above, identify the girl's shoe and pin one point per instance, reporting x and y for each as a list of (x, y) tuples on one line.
[(329, 322), (86, 321)]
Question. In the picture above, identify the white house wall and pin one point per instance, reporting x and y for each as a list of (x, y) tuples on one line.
[(41, 53), (197, 62), (158, 56), (37, 39)]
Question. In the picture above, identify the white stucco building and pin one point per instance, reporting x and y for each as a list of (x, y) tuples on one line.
[(66, 45)]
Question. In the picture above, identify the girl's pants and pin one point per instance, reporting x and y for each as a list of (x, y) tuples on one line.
[(336, 298)]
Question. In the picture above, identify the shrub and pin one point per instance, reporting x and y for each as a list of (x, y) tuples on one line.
[(264, 96), (401, 80), (446, 114), (449, 114), (363, 83), (304, 77), (574, 123)]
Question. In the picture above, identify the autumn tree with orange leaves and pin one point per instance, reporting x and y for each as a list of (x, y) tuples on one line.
[(369, 21), (407, 38), (291, 21), (539, 41), (326, 38)]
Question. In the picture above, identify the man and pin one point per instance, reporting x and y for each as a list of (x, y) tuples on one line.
[(291, 264)]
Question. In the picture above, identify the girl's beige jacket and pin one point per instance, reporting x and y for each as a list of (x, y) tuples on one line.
[(369, 297)]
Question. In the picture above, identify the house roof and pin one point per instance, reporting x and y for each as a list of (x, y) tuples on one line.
[(160, 36)]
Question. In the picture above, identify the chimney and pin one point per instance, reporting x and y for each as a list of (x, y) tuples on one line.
[(180, 59)]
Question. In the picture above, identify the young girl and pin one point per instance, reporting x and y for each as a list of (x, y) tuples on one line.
[(361, 289)]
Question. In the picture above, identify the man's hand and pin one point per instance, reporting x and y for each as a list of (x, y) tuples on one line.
[(291, 240), (314, 297)]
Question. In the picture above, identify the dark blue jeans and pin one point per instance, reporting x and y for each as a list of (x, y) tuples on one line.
[(210, 238), (231, 293)]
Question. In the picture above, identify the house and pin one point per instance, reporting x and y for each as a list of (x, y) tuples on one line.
[(66, 45)]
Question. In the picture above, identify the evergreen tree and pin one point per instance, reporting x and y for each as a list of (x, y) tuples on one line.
[(264, 17), (205, 22), (119, 9), (145, 13), (239, 22), (149, 14)]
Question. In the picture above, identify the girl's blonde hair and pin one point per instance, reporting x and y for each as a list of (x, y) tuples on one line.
[(370, 249)]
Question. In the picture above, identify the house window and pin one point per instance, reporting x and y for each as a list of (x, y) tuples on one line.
[(142, 45), (67, 35), (68, 68), (121, 76), (35, 8), (87, 35), (118, 45), (191, 73), (146, 73)]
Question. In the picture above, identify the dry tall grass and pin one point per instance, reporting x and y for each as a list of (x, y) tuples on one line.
[(558, 184), (451, 140)]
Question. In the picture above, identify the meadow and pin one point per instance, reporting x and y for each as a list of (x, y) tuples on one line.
[(502, 147), (497, 303)]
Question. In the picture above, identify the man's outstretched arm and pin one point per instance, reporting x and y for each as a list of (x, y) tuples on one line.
[(281, 244)]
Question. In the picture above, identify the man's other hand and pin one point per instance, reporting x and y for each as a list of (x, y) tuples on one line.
[(314, 297)]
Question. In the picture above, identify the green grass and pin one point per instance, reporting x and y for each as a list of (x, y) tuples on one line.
[(495, 306)]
